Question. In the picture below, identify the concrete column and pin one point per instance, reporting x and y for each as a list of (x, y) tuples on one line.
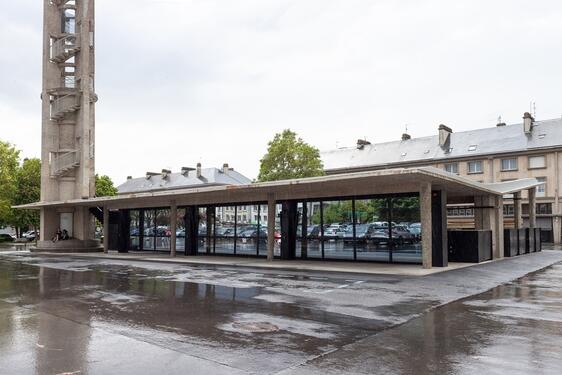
[(532, 207), (478, 212), (105, 229), (173, 228), (556, 229), (498, 246), (517, 218), (270, 228), (426, 224)]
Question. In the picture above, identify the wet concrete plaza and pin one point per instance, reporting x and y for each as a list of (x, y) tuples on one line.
[(67, 315)]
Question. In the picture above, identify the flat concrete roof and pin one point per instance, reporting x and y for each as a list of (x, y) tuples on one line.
[(389, 181)]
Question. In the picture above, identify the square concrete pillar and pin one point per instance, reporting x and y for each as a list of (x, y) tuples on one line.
[(497, 235), (478, 212), (532, 207), (105, 229), (426, 224), (517, 216), (271, 208), (173, 228)]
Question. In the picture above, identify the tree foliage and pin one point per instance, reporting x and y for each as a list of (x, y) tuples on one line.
[(28, 181), (404, 209), (9, 163), (105, 186), (289, 157)]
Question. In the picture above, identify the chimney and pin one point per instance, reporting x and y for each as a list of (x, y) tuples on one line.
[(185, 171), (150, 174), (129, 178), (165, 173), (528, 122), (444, 135), (198, 170), (225, 168), (361, 143), (406, 136), (500, 122)]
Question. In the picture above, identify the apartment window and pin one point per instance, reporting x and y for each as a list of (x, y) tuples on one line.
[(475, 166), (537, 162), (509, 164), (452, 168), (541, 209), (541, 189), (508, 210)]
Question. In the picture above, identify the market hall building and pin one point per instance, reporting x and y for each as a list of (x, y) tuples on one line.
[(192, 221)]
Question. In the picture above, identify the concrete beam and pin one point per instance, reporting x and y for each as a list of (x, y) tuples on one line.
[(426, 224), (105, 229), (173, 228), (271, 208)]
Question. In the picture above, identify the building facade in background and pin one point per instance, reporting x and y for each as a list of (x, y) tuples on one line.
[(495, 154)]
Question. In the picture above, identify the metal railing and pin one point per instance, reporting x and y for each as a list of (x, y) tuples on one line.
[(64, 48), (62, 163)]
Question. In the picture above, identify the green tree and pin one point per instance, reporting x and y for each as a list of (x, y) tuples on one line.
[(9, 163), (289, 157), (105, 187), (28, 182)]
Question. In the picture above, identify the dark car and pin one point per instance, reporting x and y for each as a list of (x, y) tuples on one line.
[(313, 231), (4, 237), (363, 232)]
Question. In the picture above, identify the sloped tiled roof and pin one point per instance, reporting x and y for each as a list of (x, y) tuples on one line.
[(209, 177), (501, 139)]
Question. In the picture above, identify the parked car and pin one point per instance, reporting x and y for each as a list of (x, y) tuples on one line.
[(313, 231), (380, 236), (5, 237), (401, 234), (363, 232), (30, 235), (415, 229), (335, 231)]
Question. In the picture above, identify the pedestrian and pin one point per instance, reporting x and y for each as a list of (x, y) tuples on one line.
[(57, 236)]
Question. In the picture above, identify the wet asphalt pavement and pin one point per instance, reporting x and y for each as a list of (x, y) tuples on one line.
[(68, 315)]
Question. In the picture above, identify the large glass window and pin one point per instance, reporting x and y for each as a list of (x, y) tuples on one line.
[(246, 232), (149, 229), (314, 230), (406, 230), (509, 164), (224, 230), (475, 166), (373, 240), (338, 237), (180, 230), (162, 231), (134, 229)]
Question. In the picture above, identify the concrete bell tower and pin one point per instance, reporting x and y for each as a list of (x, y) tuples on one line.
[(68, 121)]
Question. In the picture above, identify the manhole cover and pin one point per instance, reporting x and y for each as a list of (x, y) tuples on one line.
[(258, 327)]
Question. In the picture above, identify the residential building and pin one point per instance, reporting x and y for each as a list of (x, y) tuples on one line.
[(495, 154)]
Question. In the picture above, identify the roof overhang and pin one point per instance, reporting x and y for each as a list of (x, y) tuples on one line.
[(390, 181)]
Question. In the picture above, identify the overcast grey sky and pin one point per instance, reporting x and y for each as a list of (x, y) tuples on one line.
[(211, 81)]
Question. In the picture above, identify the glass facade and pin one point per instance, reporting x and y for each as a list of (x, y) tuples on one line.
[(382, 228)]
